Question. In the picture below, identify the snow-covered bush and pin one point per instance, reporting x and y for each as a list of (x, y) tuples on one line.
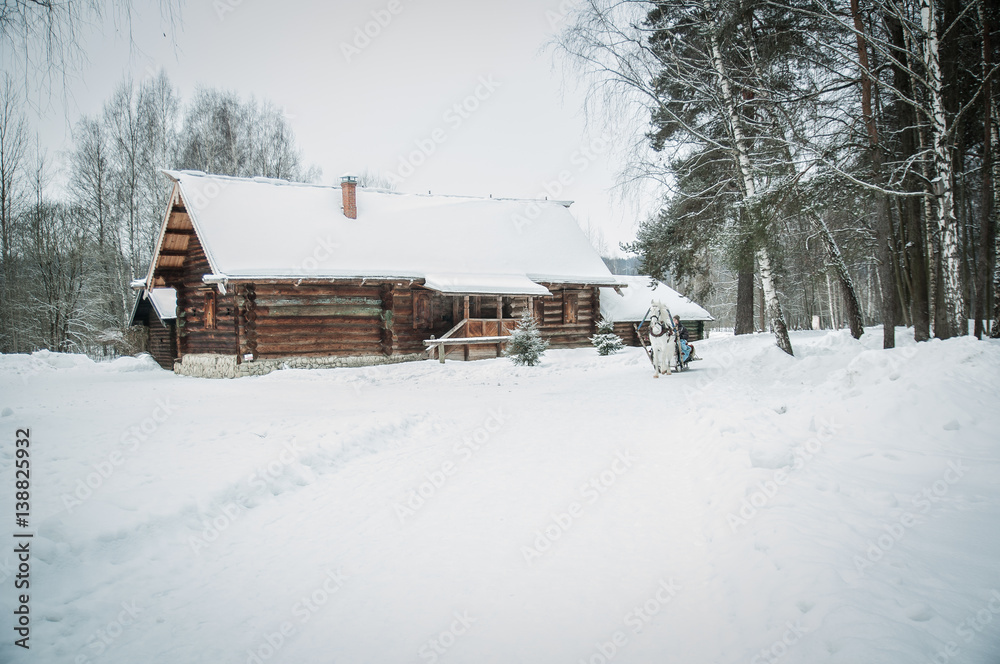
[(526, 345), (606, 341)]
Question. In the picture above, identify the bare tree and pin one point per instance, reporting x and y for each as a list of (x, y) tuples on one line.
[(13, 149), (44, 36), (375, 179), (55, 246), (227, 135)]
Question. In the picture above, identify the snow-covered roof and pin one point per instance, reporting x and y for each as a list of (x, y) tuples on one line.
[(164, 301), (634, 301), (264, 228)]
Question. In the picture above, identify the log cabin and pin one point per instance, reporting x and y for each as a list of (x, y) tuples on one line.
[(156, 310), (272, 274), (627, 308)]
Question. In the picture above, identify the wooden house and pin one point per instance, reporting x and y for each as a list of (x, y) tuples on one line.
[(271, 274), (627, 307), (156, 310)]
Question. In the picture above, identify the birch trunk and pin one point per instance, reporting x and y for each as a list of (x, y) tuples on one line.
[(985, 256), (995, 331), (854, 320), (953, 300), (741, 149)]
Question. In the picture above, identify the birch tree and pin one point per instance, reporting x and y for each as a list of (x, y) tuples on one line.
[(696, 69)]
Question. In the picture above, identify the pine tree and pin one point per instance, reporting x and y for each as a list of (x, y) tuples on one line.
[(526, 345), (606, 341)]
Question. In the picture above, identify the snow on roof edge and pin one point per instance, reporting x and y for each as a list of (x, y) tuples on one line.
[(634, 301), (175, 176)]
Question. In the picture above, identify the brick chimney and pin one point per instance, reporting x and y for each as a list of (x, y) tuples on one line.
[(349, 189)]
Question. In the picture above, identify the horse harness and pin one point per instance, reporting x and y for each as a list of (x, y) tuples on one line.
[(664, 329)]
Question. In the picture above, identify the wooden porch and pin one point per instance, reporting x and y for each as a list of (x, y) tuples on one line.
[(475, 337)]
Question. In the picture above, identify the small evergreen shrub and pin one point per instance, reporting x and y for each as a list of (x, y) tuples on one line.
[(606, 341), (526, 345)]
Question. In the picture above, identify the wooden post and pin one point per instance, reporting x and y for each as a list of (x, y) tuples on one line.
[(499, 323), (465, 348), (466, 305)]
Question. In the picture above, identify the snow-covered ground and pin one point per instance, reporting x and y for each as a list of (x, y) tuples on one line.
[(839, 506)]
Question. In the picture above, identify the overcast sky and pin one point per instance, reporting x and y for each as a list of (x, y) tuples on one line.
[(452, 96)]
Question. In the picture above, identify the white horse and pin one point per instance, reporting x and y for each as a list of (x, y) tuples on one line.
[(663, 339)]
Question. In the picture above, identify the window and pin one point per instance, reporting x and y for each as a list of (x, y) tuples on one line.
[(571, 307), (210, 310)]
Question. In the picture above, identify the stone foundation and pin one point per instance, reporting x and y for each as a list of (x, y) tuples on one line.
[(209, 365)]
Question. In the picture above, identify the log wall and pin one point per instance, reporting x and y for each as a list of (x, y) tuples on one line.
[(553, 315), (162, 342), (319, 320), (193, 336)]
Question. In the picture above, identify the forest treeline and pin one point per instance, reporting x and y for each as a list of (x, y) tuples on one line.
[(70, 251), (830, 158)]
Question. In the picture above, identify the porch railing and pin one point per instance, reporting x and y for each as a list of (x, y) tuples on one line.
[(472, 332)]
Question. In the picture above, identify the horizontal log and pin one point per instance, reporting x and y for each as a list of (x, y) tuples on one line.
[(351, 353), (286, 300), (290, 290), (315, 344), (274, 350), (351, 336), (222, 342), (324, 310), (316, 322), (468, 341)]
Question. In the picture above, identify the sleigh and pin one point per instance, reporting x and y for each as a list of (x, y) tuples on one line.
[(665, 350), (679, 363)]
